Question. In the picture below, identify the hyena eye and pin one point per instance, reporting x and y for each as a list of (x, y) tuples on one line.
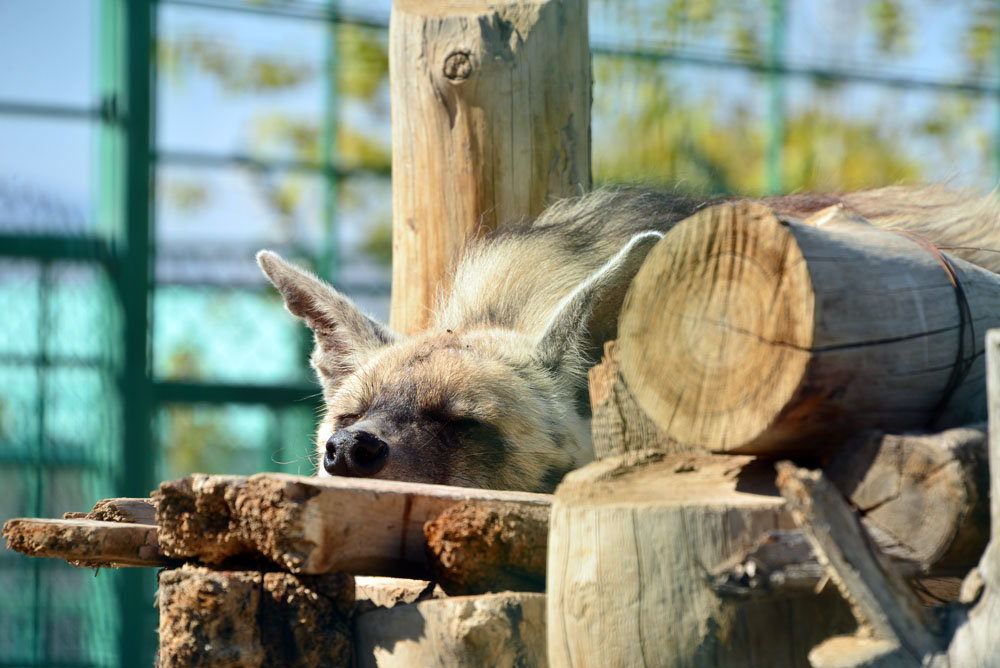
[(347, 419)]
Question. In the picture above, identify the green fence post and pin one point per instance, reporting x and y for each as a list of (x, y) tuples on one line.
[(125, 177)]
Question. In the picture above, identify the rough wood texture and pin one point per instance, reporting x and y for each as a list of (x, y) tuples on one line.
[(779, 565), (632, 543), (878, 595), (373, 591), (311, 525), (130, 510), (744, 332), (618, 424), (502, 630), (976, 643), (490, 121), (924, 498), (88, 543), (248, 619), (476, 548)]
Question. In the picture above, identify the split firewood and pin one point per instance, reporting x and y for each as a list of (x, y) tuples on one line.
[(87, 543), (746, 332), (313, 525)]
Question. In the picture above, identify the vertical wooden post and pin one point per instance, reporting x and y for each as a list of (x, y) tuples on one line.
[(490, 120)]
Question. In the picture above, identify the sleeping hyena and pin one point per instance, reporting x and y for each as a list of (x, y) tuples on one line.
[(493, 394)]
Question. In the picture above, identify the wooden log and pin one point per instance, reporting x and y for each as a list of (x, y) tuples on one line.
[(632, 545), (312, 525), (505, 629), (924, 498), (618, 425), (373, 591), (86, 543), (976, 643), (748, 332), (222, 619), (490, 121), (881, 600), (474, 548)]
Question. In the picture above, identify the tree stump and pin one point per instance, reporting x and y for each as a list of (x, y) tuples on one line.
[(632, 543)]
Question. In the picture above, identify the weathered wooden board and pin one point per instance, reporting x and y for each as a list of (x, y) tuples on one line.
[(88, 543), (313, 525)]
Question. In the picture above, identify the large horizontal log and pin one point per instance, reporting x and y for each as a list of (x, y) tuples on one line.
[(313, 525), (87, 543), (746, 332)]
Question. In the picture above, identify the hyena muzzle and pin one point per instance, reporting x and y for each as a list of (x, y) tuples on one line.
[(493, 394)]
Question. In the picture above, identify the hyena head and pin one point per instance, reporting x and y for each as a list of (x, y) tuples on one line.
[(476, 407)]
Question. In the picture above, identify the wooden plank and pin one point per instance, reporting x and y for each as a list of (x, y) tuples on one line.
[(88, 543), (313, 525), (465, 159), (126, 509), (880, 598)]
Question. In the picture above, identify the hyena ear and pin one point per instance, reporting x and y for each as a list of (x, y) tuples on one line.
[(559, 349), (345, 337)]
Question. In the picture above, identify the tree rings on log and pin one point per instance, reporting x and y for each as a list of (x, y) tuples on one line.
[(746, 332)]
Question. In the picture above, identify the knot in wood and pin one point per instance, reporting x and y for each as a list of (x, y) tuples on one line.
[(457, 66)]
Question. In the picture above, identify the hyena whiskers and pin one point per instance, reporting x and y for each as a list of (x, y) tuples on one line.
[(494, 393)]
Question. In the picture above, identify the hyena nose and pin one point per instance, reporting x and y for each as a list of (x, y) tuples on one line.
[(358, 454)]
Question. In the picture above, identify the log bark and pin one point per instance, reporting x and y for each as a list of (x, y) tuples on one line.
[(249, 619), (474, 548), (490, 121), (632, 546), (746, 332), (924, 498), (86, 543), (618, 425), (503, 630), (313, 525)]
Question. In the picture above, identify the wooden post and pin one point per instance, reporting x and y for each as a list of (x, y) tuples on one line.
[(490, 121)]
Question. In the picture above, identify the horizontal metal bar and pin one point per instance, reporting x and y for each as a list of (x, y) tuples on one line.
[(34, 460), (56, 247), (52, 111), (50, 361), (199, 159), (225, 393), (326, 15), (724, 61)]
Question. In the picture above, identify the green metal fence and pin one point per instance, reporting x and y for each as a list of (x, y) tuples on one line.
[(134, 348)]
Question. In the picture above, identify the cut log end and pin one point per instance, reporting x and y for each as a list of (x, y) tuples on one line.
[(738, 319)]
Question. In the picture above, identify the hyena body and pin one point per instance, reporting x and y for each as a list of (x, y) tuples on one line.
[(494, 393)]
